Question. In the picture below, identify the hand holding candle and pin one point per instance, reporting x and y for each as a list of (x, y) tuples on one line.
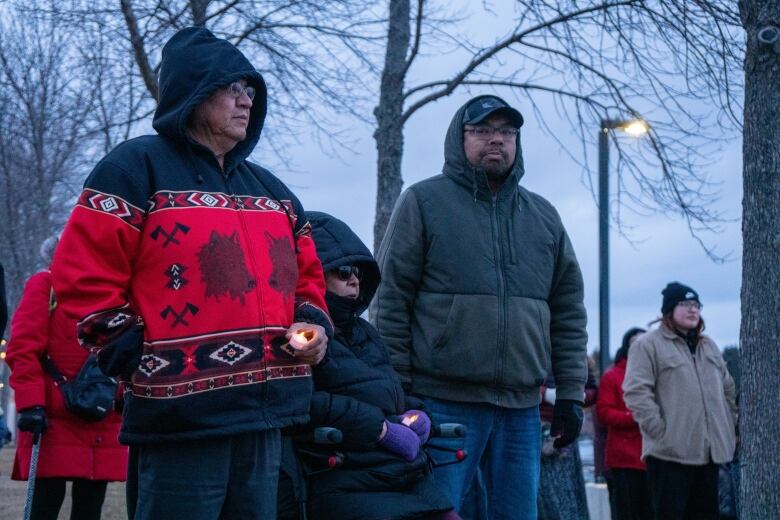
[(418, 422), (300, 338), (308, 342)]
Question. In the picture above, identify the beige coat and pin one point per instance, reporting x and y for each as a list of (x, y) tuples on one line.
[(684, 403)]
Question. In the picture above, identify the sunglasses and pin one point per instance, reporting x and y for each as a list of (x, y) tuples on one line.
[(345, 272)]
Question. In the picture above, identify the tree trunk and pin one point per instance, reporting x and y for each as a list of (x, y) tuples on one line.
[(760, 328), (141, 57), (198, 8), (389, 134)]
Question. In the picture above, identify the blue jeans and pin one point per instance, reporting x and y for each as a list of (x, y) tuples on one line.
[(505, 442)]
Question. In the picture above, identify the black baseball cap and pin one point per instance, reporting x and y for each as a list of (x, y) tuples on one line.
[(483, 106)]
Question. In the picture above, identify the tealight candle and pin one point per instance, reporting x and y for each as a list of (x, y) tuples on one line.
[(409, 420)]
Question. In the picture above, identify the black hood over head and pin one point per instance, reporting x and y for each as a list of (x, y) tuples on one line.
[(195, 63), (338, 245), (457, 167)]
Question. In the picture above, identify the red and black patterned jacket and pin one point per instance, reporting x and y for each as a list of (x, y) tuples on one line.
[(201, 268)]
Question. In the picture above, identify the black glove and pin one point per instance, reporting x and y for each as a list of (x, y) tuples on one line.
[(566, 423), (122, 354), (32, 420)]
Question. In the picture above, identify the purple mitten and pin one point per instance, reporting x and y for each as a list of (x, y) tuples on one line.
[(400, 440), (418, 422)]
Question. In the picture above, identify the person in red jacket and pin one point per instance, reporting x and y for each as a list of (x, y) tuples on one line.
[(86, 453), (629, 496), (195, 280)]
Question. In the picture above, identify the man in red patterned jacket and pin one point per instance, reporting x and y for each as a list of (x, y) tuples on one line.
[(195, 279)]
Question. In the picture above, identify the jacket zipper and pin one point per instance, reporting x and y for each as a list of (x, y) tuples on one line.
[(499, 366), (257, 288)]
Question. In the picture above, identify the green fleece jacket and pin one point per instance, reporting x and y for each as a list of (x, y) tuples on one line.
[(481, 294)]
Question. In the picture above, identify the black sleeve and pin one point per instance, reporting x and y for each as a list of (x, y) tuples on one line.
[(360, 423)]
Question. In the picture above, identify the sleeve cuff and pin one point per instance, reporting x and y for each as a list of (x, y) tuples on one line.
[(308, 312)]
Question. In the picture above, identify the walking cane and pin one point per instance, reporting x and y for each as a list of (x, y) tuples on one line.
[(31, 476)]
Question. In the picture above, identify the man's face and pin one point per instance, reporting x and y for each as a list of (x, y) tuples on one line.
[(224, 116), (494, 154)]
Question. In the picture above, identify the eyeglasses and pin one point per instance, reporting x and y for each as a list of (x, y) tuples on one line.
[(487, 132), (691, 304), (345, 272), (236, 90)]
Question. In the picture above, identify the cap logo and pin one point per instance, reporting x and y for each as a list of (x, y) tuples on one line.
[(490, 103), (689, 295)]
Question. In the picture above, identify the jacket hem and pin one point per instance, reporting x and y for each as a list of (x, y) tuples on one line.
[(136, 438), (687, 462), (464, 391)]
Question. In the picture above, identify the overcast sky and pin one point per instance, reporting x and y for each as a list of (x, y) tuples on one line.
[(661, 249)]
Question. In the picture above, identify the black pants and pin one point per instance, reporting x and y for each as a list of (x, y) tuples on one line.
[(629, 498), (682, 491), (87, 497), (222, 477)]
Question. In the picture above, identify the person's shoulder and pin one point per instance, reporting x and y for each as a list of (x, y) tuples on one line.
[(39, 282), (540, 205), (131, 157), (710, 344), (431, 185), (430, 191), (42, 277), (268, 178), (649, 340), (611, 374), (138, 146)]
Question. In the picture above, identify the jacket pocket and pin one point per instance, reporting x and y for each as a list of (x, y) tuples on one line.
[(459, 337), (670, 361), (527, 347)]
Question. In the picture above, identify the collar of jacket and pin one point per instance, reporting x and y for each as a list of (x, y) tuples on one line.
[(343, 312)]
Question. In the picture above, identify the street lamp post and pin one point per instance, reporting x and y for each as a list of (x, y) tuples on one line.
[(634, 127)]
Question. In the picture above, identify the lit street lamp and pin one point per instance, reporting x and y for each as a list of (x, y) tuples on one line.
[(635, 128)]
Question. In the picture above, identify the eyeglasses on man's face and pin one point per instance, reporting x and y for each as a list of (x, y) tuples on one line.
[(237, 89), (345, 272), (690, 304), (486, 132)]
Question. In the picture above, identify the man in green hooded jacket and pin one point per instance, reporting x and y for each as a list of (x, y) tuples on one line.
[(481, 297)]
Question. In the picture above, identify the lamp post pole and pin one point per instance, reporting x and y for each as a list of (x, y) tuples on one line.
[(606, 125), (634, 127)]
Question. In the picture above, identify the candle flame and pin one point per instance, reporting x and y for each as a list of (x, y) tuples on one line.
[(409, 419)]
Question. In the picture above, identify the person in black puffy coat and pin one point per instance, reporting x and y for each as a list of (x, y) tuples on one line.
[(385, 474)]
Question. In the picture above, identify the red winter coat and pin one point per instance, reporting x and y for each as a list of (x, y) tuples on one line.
[(70, 447), (624, 441)]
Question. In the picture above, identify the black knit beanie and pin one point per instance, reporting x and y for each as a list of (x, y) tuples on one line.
[(674, 293)]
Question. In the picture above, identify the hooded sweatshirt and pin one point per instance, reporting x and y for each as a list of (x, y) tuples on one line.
[(202, 268), (481, 294)]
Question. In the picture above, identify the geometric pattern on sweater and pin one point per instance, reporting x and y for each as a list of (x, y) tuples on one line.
[(183, 366), (262, 375), (230, 353), (112, 205), (151, 364), (188, 199), (175, 276)]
